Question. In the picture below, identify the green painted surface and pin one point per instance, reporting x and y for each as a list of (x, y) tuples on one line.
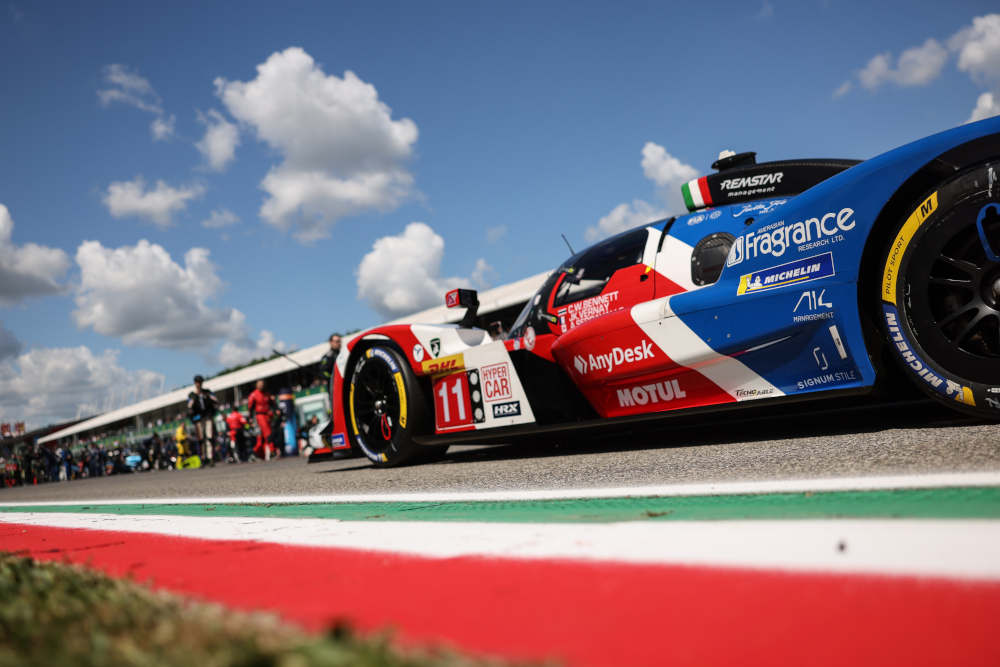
[(937, 503)]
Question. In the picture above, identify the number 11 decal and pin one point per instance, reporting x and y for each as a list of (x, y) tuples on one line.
[(458, 401), (452, 404)]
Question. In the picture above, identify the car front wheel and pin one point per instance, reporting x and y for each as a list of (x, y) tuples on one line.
[(940, 292), (386, 408)]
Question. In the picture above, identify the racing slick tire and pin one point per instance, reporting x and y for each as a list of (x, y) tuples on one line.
[(940, 292), (386, 409)]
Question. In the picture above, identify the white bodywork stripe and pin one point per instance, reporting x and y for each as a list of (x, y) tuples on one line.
[(453, 340), (967, 549), (652, 244), (686, 348), (674, 262)]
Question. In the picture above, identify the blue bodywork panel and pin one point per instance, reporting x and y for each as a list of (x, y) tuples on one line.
[(786, 303)]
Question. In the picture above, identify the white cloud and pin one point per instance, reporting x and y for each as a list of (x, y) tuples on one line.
[(766, 10), (220, 140), (9, 344), (623, 217), (162, 127), (876, 72), (920, 65), (916, 66), (129, 88), (494, 234), (978, 47), (139, 294), (220, 217), (48, 385), (27, 270), (235, 353), (401, 274), (668, 174), (483, 275), (663, 168), (978, 54), (843, 89), (987, 106), (130, 198), (343, 152)]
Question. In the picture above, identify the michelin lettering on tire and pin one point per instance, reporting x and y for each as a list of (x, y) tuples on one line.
[(350, 401), (386, 408), (928, 374), (375, 355)]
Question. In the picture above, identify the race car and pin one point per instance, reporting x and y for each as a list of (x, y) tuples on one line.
[(784, 281)]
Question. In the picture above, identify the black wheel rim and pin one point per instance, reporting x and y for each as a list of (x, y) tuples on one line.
[(376, 405), (952, 291)]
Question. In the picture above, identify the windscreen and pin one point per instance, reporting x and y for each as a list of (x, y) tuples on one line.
[(537, 300)]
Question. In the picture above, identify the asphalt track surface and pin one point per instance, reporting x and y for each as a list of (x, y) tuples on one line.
[(910, 437)]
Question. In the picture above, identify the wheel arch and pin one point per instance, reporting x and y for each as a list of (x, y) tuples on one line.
[(357, 350), (899, 205)]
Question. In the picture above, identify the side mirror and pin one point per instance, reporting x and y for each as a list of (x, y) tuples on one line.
[(464, 298), (572, 276), (542, 316)]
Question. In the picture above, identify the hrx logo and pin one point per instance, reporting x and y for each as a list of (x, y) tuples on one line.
[(509, 409), (616, 357)]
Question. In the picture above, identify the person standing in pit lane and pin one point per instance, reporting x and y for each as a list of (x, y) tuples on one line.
[(181, 438), (202, 406), (237, 425), (261, 408), (326, 368), (329, 360)]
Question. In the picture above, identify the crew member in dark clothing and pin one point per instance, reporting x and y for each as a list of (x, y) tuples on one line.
[(326, 369), (202, 406), (156, 452), (329, 360)]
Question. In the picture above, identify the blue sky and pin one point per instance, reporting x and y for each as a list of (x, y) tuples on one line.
[(499, 126)]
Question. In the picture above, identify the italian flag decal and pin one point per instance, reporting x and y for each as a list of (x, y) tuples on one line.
[(696, 194)]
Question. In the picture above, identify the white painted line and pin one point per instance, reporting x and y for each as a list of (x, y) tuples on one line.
[(940, 480), (964, 549)]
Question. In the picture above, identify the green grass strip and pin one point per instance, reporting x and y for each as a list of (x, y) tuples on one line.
[(55, 614), (933, 503)]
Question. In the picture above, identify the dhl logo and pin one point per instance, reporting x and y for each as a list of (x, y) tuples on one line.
[(455, 362)]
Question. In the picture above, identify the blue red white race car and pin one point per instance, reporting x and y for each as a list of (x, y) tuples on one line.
[(785, 281)]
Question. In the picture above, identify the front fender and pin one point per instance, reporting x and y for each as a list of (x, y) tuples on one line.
[(425, 346)]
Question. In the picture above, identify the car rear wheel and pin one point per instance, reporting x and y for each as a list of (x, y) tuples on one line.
[(941, 292), (386, 409)]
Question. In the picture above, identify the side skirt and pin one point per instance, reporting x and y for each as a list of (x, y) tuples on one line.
[(505, 434)]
